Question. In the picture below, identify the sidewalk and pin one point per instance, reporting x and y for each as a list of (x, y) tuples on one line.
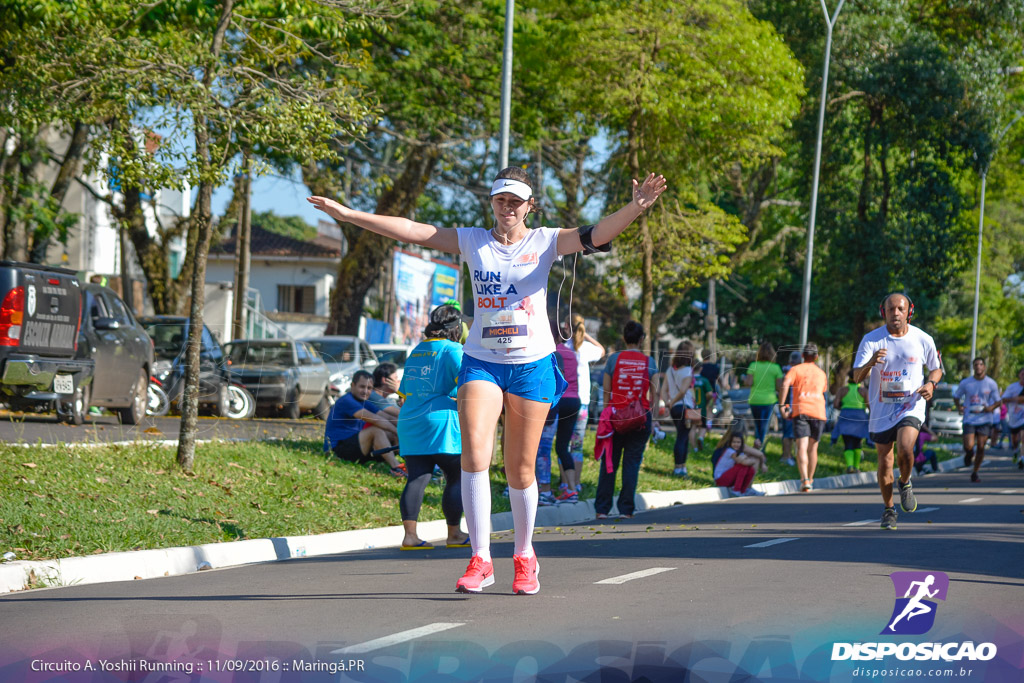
[(148, 564)]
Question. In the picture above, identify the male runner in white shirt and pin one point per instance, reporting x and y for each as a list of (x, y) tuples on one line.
[(894, 357), (1013, 397), (976, 397)]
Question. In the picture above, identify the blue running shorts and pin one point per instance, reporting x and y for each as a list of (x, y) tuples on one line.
[(540, 380)]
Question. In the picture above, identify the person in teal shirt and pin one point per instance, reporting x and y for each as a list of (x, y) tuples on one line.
[(764, 377), (428, 425)]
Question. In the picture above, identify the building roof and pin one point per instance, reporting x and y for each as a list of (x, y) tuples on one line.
[(265, 243)]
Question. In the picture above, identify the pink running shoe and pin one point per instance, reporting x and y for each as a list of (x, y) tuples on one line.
[(479, 575), (525, 581)]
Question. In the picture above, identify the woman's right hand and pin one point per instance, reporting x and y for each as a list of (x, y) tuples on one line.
[(329, 206)]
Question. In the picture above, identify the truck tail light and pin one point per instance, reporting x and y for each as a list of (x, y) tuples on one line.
[(12, 313)]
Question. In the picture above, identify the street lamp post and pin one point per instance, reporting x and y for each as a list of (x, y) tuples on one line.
[(506, 83), (981, 225), (805, 304)]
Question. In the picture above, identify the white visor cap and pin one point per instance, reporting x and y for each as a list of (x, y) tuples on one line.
[(516, 187)]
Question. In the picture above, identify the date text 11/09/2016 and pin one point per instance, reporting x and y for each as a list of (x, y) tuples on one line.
[(199, 666)]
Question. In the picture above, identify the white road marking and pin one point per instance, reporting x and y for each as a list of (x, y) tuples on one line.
[(394, 639), (1010, 491), (774, 541), (861, 522), (927, 510), (969, 500), (616, 580)]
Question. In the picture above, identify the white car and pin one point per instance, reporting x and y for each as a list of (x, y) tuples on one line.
[(393, 353)]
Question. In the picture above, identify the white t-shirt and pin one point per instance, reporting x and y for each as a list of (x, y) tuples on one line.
[(585, 355), (894, 382), (1015, 411), (975, 395), (725, 463), (674, 379), (510, 312)]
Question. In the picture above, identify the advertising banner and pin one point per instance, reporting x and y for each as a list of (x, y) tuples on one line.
[(420, 285)]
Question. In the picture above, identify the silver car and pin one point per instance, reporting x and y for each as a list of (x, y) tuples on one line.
[(943, 417), (344, 355), (282, 375)]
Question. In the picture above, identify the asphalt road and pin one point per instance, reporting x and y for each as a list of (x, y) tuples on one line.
[(744, 589), (26, 428)]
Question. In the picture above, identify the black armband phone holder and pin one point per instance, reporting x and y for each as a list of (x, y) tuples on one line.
[(587, 240)]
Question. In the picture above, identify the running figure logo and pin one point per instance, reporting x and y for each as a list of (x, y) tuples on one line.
[(914, 612)]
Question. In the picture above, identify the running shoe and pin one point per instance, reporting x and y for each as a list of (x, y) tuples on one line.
[(568, 496), (601, 515), (479, 575), (525, 581), (399, 472), (788, 461), (908, 501), (679, 472), (975, 478), (546, 499), (752, 492), (889, 519)]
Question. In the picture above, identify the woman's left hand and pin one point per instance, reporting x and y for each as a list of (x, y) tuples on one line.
[(646, 193)]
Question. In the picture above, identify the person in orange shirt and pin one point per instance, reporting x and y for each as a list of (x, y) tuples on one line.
[(807, 411)]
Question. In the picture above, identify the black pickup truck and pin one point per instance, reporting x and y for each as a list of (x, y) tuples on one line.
[(40, 313)]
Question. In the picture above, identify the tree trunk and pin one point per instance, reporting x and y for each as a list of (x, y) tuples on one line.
[(634, 144), (368, 250), (202, 229), (242, 249)]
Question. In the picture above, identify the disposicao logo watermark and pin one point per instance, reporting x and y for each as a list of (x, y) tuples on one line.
[(914, 611), (913, 614)]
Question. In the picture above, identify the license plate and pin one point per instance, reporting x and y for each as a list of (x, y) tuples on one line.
[(64, 384)]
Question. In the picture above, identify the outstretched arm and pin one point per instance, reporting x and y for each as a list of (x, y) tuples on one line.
[(397, 228), (610, 227)]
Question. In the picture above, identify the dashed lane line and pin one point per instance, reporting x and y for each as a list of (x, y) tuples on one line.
[(774, 541), (969, 500), (861, 522), (616, 580), (396, 638), (1009, 491)]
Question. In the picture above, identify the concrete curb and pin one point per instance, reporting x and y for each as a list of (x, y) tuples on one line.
[(148, 564)]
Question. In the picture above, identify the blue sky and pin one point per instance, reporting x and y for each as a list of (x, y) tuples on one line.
[(283, 196)]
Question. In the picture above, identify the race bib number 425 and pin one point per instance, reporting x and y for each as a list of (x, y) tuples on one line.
[(504, 330)]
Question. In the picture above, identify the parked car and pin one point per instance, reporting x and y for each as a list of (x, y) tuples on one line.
[(122, 352), (943, 417), (286, 376), (393, 353), (344, 355), (169, 334), (40, 311)]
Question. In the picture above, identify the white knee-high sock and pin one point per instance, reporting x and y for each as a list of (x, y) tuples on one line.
[(476, 504), (524, 516)]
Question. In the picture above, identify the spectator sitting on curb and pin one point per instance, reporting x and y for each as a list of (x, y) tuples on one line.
[(924, 455), (736, 464), (385, 384), (354, 429)]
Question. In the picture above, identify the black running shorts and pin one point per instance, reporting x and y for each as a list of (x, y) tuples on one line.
[(889, 435)]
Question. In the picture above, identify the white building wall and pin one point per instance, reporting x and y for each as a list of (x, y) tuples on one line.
[(266, 275)]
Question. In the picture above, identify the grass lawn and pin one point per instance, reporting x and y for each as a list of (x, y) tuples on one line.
[(63, 502)]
